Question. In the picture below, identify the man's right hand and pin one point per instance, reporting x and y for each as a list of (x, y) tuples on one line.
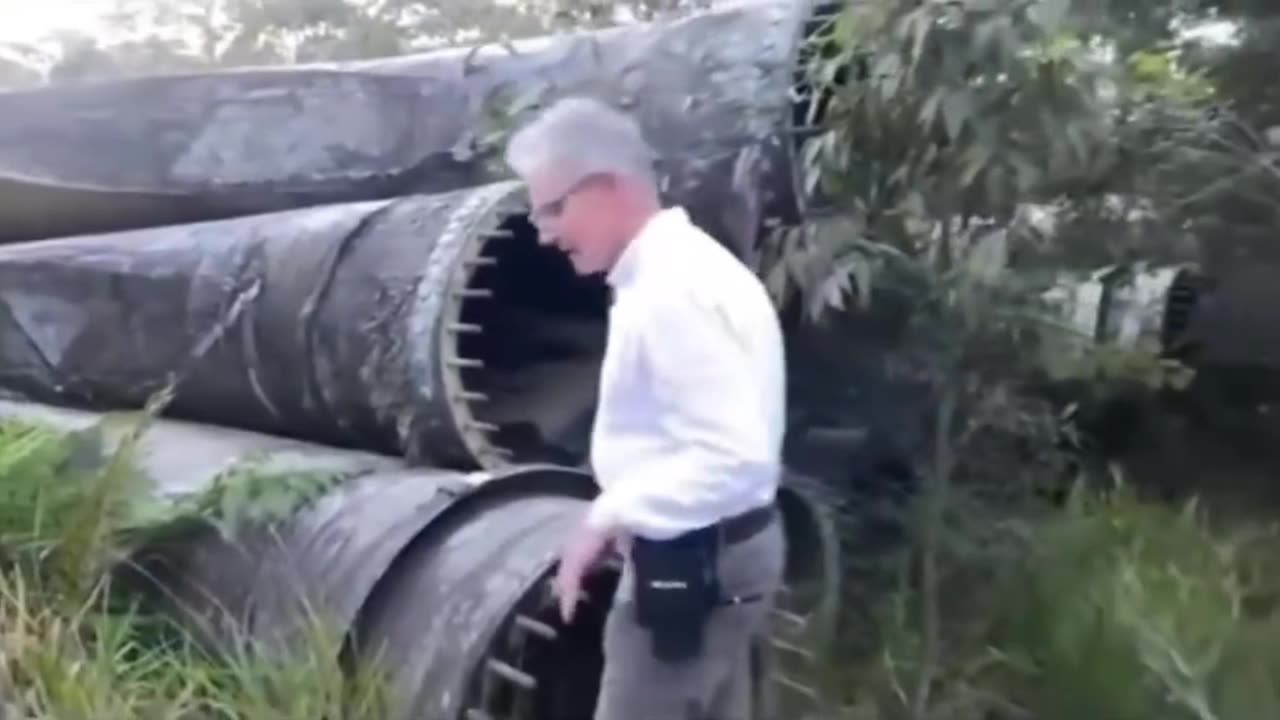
[(584, 548)]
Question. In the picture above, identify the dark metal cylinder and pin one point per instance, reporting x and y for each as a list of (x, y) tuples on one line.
[(181, 458), (435, 577), (431, 327), (713, 92), (484, 575)]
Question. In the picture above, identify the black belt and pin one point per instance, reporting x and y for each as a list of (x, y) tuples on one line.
[(745, 526)]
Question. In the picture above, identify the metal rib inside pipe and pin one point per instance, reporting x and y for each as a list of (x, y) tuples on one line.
[(106, 156), (435, 328)]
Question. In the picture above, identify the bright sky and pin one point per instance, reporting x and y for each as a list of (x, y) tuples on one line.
[(26, 20)]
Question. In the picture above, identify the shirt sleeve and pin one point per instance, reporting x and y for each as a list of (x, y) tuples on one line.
[(709, 405)]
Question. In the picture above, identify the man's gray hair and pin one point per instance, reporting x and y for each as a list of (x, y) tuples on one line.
[(579, 136)]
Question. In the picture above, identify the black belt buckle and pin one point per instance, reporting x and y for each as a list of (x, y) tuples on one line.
[(677, 586)]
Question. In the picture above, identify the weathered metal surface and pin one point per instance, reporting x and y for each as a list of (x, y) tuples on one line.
[(1230, 325), (397, 326), (77, 159), (474, 573), (1126, 306), (483, 571), (438, 577), (1221, 326), (181, 458), (221, 586), (156, 150), (270, 585)]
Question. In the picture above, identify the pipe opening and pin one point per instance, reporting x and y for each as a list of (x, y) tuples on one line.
[(530, 336), (540, 669), (534, 667)]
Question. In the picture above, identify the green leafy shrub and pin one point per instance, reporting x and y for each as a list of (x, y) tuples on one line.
[(1113, 607), (72, 647)]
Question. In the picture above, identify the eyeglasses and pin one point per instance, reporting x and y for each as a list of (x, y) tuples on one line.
[(552, 208)]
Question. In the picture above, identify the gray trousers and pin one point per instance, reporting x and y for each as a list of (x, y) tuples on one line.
[(715, 685)]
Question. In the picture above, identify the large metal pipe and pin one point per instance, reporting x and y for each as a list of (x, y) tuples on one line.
[(723, 115), (477, 549), (436, 577), (483, 573), (1216, 323), (181, 458), (431, 327)]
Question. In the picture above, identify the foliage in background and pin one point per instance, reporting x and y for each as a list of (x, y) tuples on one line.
[(147, 37), (1114, 606), (977, 150)]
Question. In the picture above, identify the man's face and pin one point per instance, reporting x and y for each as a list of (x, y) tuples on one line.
[(577, 218)]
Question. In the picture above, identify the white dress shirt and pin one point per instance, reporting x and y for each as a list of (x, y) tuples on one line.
[(690, 420)]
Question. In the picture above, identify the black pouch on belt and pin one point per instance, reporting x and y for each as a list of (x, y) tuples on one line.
[(677, 585)]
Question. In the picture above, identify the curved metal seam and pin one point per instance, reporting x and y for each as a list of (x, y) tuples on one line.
[(314, 389), (438, 303)]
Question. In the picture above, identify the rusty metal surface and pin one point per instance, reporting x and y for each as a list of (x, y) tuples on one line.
[(130, 153), (337, 324)]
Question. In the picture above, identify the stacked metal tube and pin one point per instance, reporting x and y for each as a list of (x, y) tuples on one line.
[(400, 326), (335, 305), (713, 93), (338, 564)]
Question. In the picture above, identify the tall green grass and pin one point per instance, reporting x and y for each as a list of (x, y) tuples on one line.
[(73, 646), (1113, 607)]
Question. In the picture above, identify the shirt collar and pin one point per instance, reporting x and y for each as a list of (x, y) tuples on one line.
[(625, 269)]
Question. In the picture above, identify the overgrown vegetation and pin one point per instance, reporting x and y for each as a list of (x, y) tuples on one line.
[(1110, 607), (75, 642), (1069, 543), (1032, 582)]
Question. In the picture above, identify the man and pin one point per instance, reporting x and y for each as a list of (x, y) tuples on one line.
[(688, 429)]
